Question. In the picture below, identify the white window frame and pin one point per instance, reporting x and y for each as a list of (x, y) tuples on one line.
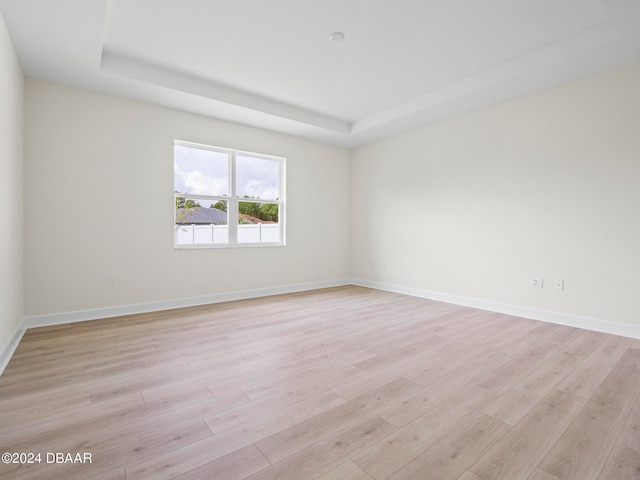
[(233, 200)]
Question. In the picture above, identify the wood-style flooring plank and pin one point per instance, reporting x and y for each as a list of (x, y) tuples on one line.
[(192, 456), (249, 411), (347, 471), (116, 453), (539, 474), (587, 442), (278, 446), (518, 453), (450, 457), (587, 377), (528, 392), (630, 435), (622, 464), (467, 475), (382, 459), (270, 424), (319, 458), (233, 466)]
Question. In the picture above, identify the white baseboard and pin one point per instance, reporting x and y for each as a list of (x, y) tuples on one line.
[(108, 312), (7, 352), (570, 320)]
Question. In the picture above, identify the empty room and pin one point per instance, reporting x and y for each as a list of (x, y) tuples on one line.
[(337, 240)]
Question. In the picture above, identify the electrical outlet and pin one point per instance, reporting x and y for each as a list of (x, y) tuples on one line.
[(536, 282), (111, 281), (559, 284)]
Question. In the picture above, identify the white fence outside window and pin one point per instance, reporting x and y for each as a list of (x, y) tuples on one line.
[(219, 234)]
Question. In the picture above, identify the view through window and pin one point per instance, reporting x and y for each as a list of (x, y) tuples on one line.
[(226, 197)]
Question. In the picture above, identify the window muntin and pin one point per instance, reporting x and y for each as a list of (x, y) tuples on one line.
[(226, 197)]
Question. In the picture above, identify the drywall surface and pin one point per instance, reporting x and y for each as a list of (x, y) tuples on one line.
[(547, 186), (99, 204), (11, 190)]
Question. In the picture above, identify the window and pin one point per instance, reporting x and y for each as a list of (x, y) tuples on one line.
[(226, 197)]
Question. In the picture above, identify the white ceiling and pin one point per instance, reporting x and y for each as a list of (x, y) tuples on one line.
[(270, 64)]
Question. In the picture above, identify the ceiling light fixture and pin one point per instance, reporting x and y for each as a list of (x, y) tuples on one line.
[(336, 37)]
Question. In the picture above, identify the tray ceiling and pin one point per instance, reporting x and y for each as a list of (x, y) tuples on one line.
[(402, 64)]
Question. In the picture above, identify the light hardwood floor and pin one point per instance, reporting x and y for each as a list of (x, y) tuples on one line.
[(337, 384)]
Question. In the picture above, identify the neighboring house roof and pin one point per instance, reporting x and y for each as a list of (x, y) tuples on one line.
[(251, 219), (200, 215)]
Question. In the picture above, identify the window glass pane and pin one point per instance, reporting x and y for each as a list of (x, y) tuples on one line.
[(201, 222), (200, 172), (258, 222), (202, 191), (257, 178)]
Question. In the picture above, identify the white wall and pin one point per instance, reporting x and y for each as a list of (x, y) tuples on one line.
[(11, 190), (106, 164), (545, 186)]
